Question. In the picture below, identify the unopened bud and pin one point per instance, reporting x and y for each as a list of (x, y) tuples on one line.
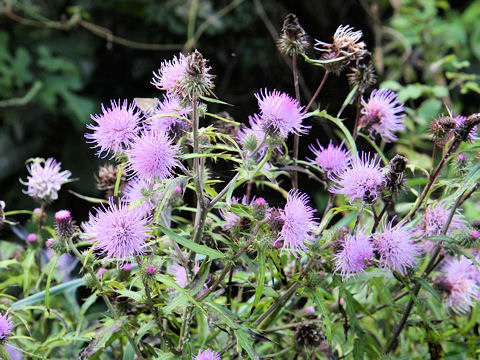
[(32, 238), (65, 227)]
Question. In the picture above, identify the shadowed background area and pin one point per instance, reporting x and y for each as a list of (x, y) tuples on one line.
[(60, 60)]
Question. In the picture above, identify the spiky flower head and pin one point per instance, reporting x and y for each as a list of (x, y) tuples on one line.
[(280, 114), (397, 246), (383, 114), (153, 156), (395, 176), (330, 159), (355, 254), (473, 134), (107, 178), (299, 223), (462, 289), (362, 180), (45, 181), (252, 137), (362, 74), (65, 225), (170, 74), (442, 129), (293, 39), (166, 117), (117, 232), (32, 238), (309, 335), (196, 80), (207, 355), (6, 326), (435, 218), (115, 128)]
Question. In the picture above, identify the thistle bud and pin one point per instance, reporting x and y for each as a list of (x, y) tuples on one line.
[(38, 215), (293, 39), (468, 237), (461, 165), (250, 142), (395, 177), (65, 227), (260, 208), (177, 197), (197, 81), (442, 128), (127, 267), (362, 75), (101, 271), (57, 245), (31, 238), (107, 178)]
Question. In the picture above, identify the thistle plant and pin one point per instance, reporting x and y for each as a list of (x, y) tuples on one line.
[(180, 263)]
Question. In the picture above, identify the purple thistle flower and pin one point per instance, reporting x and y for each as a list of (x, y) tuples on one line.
[(101, 271), (32, 238), (151, 269), (153, 156), (6, 326), (330, 159), (473, 136), (167, 115), (383, 114), (135, 192), (127, 267), (460, 275), (170, 74), (298, 223), (435, 218), (361, 180), (253, 135), (397, 247), (117, 232), (279, 113), (179, 274), (357, 251), (207, 355), (45, 182), (115, 129)]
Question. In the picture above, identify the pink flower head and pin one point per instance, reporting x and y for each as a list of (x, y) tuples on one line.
[(170, 74), (207, 355), (435, 218), (127, 267), (117, 232), (298, 223), (179, 274), (135, 193), (280, 114), (460, 275), (101, 271), (49, 242), (45, 181), (361, 180), (168, 114), (473, 136), (330, 159), (151, 269), (32, 238), (153, 156), (383, 114), (397, 246), (62, 216), (115, 129), (357, 251), (254, 134), (6, 326)]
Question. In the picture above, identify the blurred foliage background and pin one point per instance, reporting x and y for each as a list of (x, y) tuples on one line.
[(59, 60)]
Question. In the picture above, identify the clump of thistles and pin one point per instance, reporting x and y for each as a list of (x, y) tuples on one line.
[(280, 114), (117, 232), (330, 159), (207, 355), (45, 181), (355, 254), (397, 246), (115, 129), (383, 114), (153, 156), (170, 74), (293, 39), (298, 224), (6, 326), (362, 180)]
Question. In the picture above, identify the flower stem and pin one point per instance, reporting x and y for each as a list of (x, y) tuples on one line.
[(324, 79), (296, 139), (105, 298)]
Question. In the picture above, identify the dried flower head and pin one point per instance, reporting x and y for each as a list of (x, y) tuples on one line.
[(397, 246), (167, 116), (395, 176), (442, 129), (299, 223), (45, 181), (362, 180), (293, 39), (383, 114), (115, 129), (170, 74), (280, 114), (355, 255), (330, 159), (196, 80), (472, 135), (362, 74), (153, 156), (207, 355), (6, 326), (309, 335), (118, 232), (107, 178)]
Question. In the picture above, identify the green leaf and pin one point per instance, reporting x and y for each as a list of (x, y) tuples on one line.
[(339, 123), (137, 296), (261, 277), (199, 249), (88, 198), (244, 342), (215, 101), (49, 279)]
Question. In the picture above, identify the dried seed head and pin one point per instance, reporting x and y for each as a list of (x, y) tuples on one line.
[(293, 39), (441, 129), (395, 177), (107, 177), (462, 132), (441, 284), (362, 74), (309, 336), (197, 81)]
